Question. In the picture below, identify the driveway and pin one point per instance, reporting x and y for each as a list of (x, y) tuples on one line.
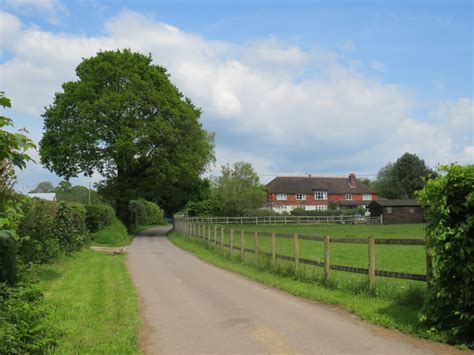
[(191, 307)]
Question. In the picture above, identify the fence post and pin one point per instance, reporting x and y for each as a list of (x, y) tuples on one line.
[(209, 235), (242, 247), (256, 245), (273, 249), (222, 238), (327, 261), (297, 252), (215, 236), (371, 263), (231, 241)]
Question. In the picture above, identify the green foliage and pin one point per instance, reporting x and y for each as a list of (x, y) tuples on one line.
[(402, 178), (98, 216), (37, 243), (12, 154), (143, 213), (70, 227), (43, 187), (114, 234), (238, 189), (450, 200), (142, 135), (78, 194), (25, 324)]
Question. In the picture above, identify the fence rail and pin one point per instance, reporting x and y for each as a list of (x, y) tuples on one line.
[(341, 219), (202, 232)]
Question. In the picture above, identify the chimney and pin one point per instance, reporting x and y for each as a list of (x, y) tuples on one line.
[(352, 180)]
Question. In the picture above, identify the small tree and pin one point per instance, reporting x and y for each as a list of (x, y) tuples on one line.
[(402, 178), (238, 189), (450, 235)]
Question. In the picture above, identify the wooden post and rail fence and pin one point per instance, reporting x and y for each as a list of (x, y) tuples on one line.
[(191, 229)]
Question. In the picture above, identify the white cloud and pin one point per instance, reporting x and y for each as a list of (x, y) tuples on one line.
[(278, 106), (52, 9)]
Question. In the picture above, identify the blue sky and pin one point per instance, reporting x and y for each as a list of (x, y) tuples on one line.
[(295, 87)]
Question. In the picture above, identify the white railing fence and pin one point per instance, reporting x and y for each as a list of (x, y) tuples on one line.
[(286, 220)]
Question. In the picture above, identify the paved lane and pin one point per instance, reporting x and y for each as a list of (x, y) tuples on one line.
[(191, 307)]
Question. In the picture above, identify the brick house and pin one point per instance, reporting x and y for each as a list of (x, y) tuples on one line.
[(317, 193)]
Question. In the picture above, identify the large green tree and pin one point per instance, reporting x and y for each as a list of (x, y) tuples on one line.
[(238, 189), (403, 177), (124, 119), (43, 187)]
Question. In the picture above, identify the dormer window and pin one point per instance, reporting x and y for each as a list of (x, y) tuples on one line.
[(320, 195)]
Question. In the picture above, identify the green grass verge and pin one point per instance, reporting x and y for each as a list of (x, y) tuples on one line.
[(114, 235), (94, 303), (404, 231), (399, 258), (396, 304)]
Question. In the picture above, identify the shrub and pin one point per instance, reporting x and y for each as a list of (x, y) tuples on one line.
[(70, 227), (450, 302), (144, 213), (98, 216), (25, 326), (115, 234), (154, 214), (38, 243), (7, 258)]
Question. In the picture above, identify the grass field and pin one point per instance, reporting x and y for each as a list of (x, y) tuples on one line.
[(409, 259), (395, 304), (95, 304)]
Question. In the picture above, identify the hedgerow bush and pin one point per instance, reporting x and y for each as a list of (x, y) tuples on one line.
[(37, 238), (144, 213), (70, 226), (450, 236), (8, 266), (99, 216), (25, 325)]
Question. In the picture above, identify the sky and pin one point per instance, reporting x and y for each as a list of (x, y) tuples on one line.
[(294, 87)]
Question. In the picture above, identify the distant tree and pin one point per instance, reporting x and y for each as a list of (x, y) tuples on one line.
[(64, 186), (43, 187), (367, 182), (78, 194), (124, 119), (402, 178), (238, 189)]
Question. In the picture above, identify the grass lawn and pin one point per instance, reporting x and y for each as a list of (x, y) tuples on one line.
[(95, 304), (400, 258), (114, 235), (396, 303)]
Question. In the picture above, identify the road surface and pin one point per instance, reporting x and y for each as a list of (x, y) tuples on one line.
[(190, 307)]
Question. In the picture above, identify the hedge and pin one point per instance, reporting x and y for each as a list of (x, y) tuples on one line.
[(99, 216), (143, 213), (450, 237)]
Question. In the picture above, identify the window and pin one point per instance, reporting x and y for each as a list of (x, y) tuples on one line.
[(282, 197), (302, 207), (301, 197), (322, 208), (280, 207), (411, 210), (349, 197), (389, 209), (367, 197), (321, 195)]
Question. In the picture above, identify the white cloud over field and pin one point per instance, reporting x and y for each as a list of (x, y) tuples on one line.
[(271, 103)]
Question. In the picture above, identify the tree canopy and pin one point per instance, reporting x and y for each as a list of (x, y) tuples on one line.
[(124, 119), (402, 178), (238, 189), (43, 187)]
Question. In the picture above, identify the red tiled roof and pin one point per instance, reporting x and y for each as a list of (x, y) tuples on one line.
[(307, 185)]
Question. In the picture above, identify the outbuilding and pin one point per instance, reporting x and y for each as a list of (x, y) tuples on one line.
[(397, 211)]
